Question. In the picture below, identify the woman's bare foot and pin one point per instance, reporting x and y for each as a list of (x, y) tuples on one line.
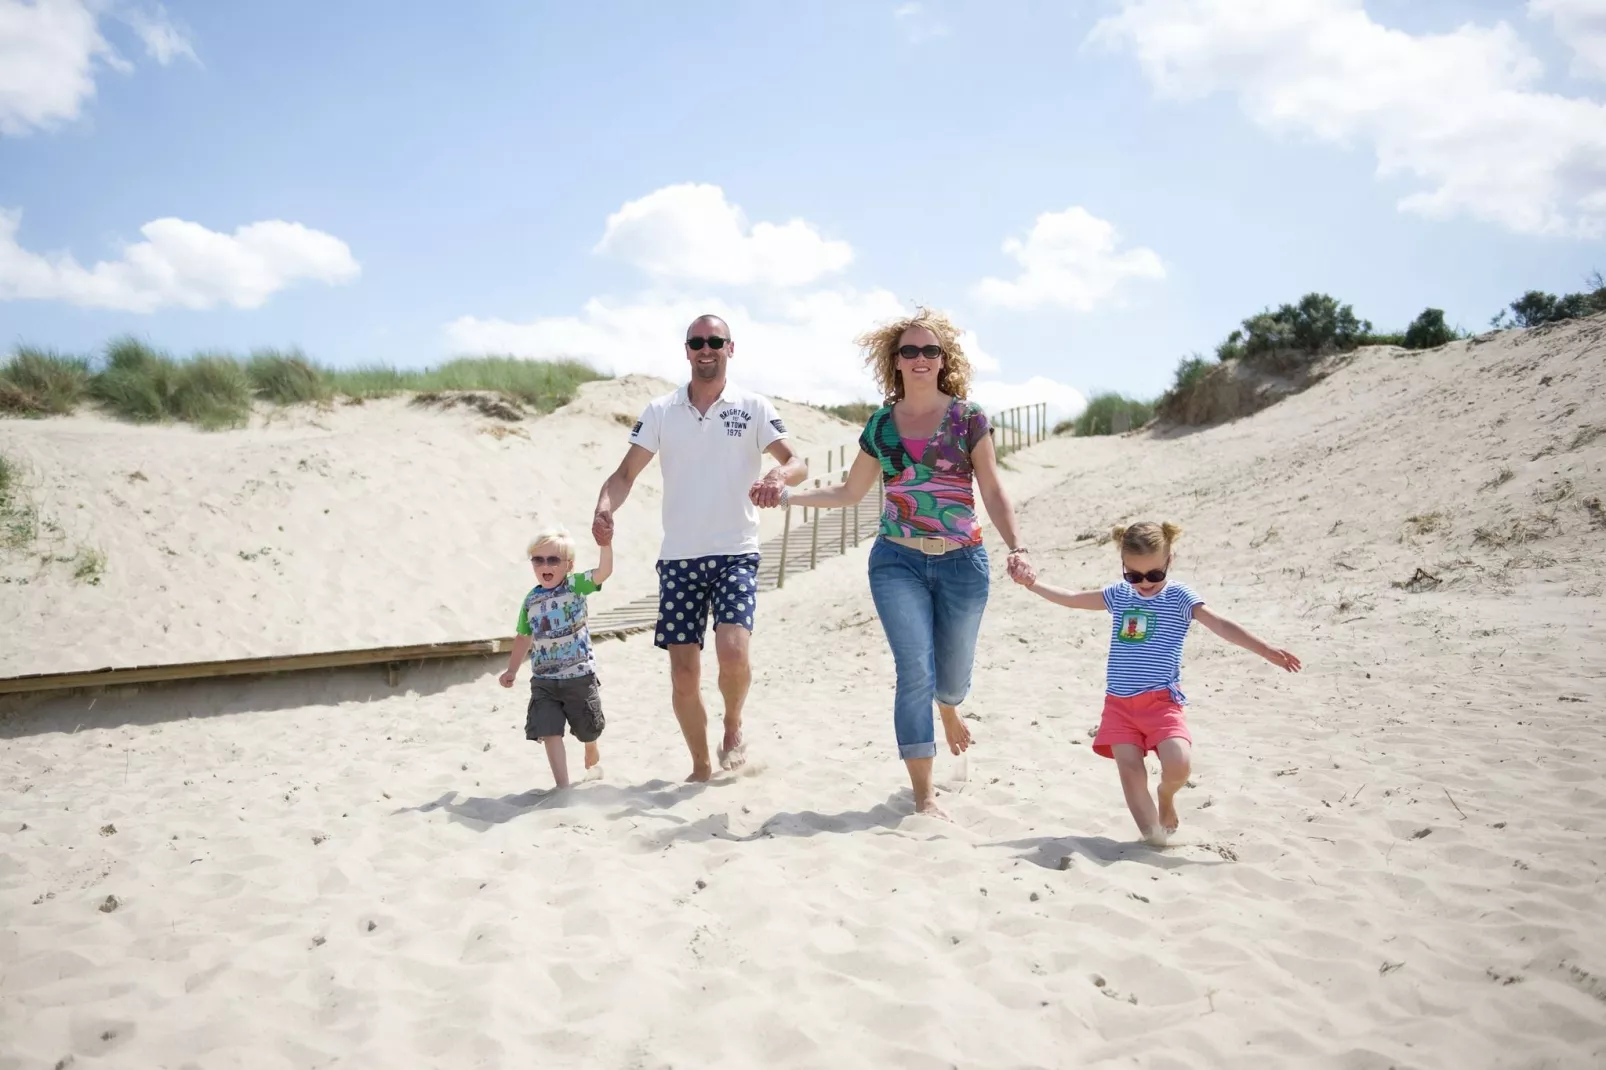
[(955, 729), (928, 806)]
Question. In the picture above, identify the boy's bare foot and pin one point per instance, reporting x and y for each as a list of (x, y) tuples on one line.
[(955, 729), (593, 755)]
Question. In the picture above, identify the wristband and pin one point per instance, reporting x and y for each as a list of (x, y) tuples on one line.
[(1019, 550), (786, 494)]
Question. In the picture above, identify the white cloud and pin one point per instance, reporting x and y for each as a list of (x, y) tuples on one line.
[(1068, 259), (790, 342), (51, 50), (179, 264), (1455, 110), (1061, 402), (48, 54), (918, 24), (690, 233), (164, 42), (1581, 25)]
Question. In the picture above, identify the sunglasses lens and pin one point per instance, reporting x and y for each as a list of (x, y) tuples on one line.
[(716, 343), (694, 343)]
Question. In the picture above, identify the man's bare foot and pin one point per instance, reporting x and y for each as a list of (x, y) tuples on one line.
[(733, 751), (954, 727), (593, 755)]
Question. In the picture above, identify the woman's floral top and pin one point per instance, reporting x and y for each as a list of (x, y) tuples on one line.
[(931, 494)]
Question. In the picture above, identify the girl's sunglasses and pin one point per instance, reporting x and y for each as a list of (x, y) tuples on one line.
[(538, 559), (911, 352), (1154, 575), (696, 342)]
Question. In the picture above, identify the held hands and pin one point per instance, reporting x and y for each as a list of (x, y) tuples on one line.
[(1021, 570), (602, 527), (507, 678), (768, 492), (1283, 659)]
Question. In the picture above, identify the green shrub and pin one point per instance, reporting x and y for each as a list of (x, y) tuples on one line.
[(137, 383), (1428, 330), (543, 385), (1372, 338), (286, 378), (42, 382), (1189, 371), (1315, 325), (1536, 308), (213, 392), (1099, 418), (854, 412), (366, 381)]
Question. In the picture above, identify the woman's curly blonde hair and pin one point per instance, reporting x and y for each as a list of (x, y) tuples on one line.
[(880, 348)]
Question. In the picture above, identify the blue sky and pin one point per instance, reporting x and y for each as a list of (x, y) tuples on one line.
[(582, 178)]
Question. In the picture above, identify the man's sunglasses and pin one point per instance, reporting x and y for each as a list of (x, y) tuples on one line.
[(1154, 575), (696, 342), (538, 559), (911, 352)]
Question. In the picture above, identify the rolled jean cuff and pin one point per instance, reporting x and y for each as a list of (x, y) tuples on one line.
[(917, 750)]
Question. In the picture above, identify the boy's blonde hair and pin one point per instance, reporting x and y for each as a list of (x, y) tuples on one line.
[(1146, 537), (559, 537)]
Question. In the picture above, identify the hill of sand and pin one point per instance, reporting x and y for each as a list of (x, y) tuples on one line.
[(319, 528), (1394, 859)]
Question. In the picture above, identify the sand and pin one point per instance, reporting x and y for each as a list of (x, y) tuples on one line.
[(1392, 859)]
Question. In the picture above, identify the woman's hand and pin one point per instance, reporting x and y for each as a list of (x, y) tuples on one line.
[(1021, 570)]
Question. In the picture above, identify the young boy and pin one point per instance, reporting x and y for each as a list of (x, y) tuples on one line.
[(552, 632)]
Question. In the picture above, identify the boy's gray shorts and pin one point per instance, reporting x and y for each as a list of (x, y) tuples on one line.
[(553, 702)]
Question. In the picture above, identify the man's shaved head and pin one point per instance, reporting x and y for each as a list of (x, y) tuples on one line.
[(710, 320)]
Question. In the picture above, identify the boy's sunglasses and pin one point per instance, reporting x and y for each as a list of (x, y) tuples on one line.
[(911, 352), (538, 559), (696, 342), (1154, 575)]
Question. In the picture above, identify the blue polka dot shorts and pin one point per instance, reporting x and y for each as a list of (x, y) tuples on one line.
[(690, 588)]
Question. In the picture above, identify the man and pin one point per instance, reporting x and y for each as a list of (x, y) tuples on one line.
[(710, 436)]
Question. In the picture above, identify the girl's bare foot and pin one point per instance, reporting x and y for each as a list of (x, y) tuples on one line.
[(1168, 812), (1155, 836), (955, 729)]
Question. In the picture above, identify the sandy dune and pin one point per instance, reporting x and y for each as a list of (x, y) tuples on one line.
[(1392, 860), (355, 526)]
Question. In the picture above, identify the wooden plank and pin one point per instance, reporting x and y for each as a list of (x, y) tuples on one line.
[(111, 676)]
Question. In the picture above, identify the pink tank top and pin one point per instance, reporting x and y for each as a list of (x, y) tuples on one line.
[(916, 447)]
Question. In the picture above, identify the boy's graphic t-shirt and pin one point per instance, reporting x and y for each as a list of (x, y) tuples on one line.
[(1146, 637), (555, 619)]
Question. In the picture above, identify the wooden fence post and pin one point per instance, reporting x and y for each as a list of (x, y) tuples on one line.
[(786, 535), (842, 532), (814, 536)]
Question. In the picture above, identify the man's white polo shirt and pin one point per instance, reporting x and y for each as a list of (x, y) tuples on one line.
[(710, 463)]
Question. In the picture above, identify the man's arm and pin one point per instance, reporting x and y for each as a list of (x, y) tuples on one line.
[(615, 489), (789, 472)]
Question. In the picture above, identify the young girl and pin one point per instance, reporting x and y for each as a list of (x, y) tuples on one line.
[(1142, 702)]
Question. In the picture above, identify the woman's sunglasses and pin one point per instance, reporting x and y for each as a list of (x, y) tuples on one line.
[(1154, 575), (538, 559), (696, 342), (911, 352)]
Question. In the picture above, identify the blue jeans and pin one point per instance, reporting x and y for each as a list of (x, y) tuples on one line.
[(930, 609)]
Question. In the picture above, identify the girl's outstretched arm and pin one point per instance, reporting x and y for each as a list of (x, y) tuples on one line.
[(1239, 636), (1069, 599)]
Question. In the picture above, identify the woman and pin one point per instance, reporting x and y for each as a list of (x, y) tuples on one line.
[(928, 567)]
